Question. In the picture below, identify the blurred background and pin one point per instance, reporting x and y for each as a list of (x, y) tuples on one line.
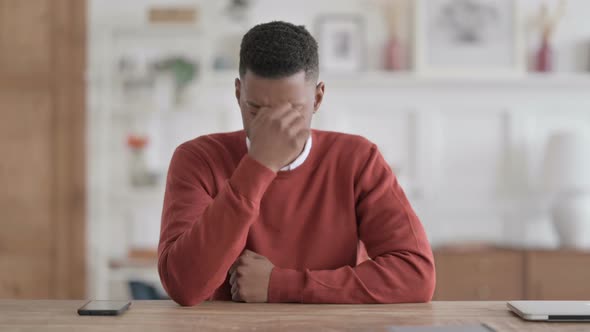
[(481, 107)]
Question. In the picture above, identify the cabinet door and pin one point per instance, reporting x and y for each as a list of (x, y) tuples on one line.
[(479, 275), (558, 275), (42, 117)]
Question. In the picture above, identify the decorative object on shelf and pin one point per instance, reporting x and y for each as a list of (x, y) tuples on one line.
[(227, 52), (136, 83), (183, 71), (567, 180), (342, 43), (472, 38), (223, 63), (527, 229), (154, 65), (140, 174), (172, 15), (237, 10), (164, 93), (227, 46), (544, 56), (395, 52), (547, 23)]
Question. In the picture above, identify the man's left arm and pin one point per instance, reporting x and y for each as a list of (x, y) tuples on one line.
[(401, 268)]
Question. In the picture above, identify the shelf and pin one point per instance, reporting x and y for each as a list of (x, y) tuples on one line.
[(124, 270), (141, 263), (140, 195), (121, 113), (373, 79), (222, 82), (409, 80)]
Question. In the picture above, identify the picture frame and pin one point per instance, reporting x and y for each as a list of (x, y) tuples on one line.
[(468, 38), (342, 43)]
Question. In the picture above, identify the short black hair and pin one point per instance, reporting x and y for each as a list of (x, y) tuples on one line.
[(279, 49)]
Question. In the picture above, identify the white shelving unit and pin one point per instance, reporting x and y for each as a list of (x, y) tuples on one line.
[(411, 80), (414, 106), (115, 205)]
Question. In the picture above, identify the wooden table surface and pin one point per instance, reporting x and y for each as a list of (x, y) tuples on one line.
[(144, 316)]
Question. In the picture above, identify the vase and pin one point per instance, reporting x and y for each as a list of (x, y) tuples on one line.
[(393, 55), (544, 57), (571, 218)]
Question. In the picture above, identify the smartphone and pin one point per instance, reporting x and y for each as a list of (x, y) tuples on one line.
[(104, 308)]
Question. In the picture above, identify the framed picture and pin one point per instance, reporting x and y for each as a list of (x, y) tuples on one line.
[(475, 38), (341, 42)]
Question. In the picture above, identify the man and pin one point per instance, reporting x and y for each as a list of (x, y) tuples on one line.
[(276, 212)]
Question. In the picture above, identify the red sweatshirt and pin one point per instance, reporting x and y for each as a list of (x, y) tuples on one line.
[(308, 222)]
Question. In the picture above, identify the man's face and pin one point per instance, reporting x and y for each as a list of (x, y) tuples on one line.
[(255, 93)]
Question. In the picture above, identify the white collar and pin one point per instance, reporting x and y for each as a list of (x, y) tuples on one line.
[(299, 160)]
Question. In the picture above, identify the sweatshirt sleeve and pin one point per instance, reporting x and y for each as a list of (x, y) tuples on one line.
[(401, 268), (201, 236)]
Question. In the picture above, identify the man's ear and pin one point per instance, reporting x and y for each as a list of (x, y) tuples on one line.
[(319, 96), (238, 85)]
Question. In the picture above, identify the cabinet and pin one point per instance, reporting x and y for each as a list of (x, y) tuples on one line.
[(479, 275), (43, 148), (557, 275), (504, 274)]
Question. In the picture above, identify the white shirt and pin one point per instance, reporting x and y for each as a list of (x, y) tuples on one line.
[(298, 161)]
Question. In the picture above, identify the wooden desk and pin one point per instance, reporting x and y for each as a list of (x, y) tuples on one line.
[(145, 316)]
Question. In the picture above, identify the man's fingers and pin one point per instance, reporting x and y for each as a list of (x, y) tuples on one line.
[(244, 257), (235, 293), (263, 111), (245, 254), (290, 118), (303, 133), (296, 126), (282, 108), (252, 254), (249, 253), (232, 278), (278, 112), (234, 266)]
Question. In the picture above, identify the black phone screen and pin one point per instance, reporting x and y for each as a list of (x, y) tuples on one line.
[(102, 308)]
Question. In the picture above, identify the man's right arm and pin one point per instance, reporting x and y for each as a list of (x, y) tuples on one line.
[(201, 236)]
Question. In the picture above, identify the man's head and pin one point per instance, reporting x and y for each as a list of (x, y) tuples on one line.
[(278, 66)]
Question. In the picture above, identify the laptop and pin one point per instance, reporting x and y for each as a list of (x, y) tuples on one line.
[(451, 328), (464, 328), (560, 311)]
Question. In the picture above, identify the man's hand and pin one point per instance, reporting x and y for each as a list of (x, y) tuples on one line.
[(250, 277), (277, 136)]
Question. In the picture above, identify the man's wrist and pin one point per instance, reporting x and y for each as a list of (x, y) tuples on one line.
[(264, 163), (286, 286), (251, 179)]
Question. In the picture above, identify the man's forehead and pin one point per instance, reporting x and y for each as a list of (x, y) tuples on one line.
[(296, 81), (298, 77), (268, 92)]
